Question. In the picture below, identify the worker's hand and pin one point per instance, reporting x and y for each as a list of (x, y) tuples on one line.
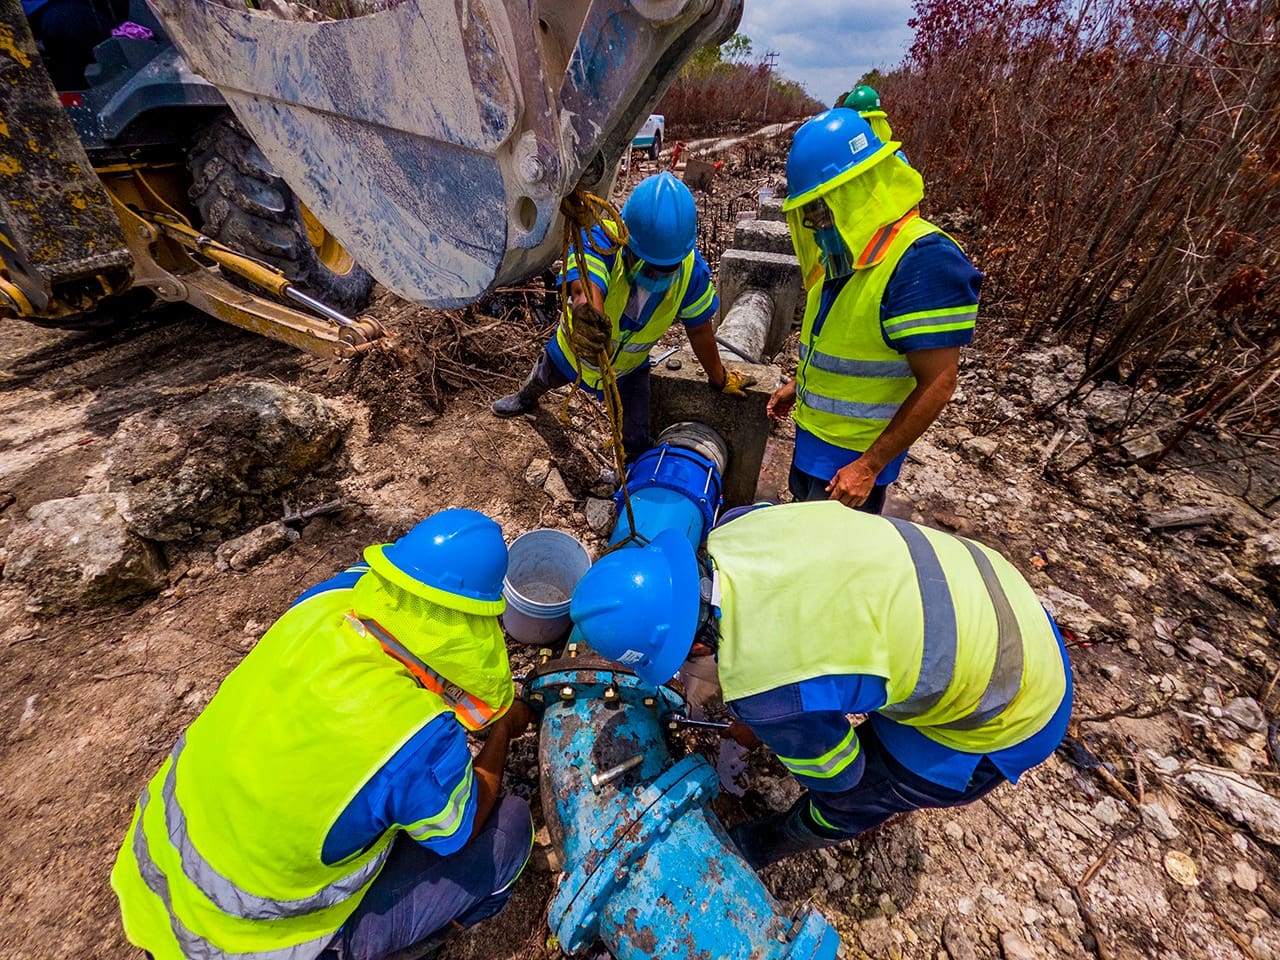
[(741, 734), (782, 401), (735, 384), (852, 484), (517, 719), (590, 332)]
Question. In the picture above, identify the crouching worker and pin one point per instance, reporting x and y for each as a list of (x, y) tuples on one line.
[(325, 803), (825, 612)]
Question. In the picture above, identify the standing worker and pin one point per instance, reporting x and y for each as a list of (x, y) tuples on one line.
[(938, 638), (325, 801), (640, 290), (891, 300)]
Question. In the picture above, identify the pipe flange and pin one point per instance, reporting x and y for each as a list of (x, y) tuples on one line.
[(686, 784)]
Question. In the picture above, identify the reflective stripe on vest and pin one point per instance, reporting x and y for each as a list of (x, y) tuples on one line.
[(234, 900), (938, 658), (195, 947), (472, 712), (853, 409), (855, 368)]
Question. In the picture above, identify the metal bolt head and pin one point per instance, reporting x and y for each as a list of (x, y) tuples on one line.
[(648, 701), (566, 693), (536, 697), (610, 693), (572, 649)]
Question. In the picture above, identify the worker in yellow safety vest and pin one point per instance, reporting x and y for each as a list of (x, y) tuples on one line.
[(816, 613), (640, 290), (891, 300), (325, 801)]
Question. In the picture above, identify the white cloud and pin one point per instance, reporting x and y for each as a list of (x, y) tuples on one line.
[(827, 46)]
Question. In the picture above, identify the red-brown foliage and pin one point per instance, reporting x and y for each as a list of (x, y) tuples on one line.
[(1121, 161)]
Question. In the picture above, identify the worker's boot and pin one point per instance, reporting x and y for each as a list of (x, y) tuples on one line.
[(781, 835), (523, 400)]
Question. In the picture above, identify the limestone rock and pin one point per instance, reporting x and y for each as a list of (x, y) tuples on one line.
[(957, 941), (980, 448), (1245, 712), (600, 515), (1156, 819), (1073, 612), (252, 548), (78, 552), (1241, 799), (555, 488), (1013, 947), (1108, 811), (212, 464), (535, 475)]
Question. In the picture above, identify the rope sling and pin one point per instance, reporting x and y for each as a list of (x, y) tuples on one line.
[(590, 332)]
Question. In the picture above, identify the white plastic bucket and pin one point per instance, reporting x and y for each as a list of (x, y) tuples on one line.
[(543, 567)]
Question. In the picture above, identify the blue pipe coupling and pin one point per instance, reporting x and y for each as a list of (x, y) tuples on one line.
[(648, 868), (681, 471)]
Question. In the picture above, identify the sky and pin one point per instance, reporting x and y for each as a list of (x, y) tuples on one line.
[(828, 44)]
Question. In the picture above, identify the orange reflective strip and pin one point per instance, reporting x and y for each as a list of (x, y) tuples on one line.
[(879, 244), (472, 712)]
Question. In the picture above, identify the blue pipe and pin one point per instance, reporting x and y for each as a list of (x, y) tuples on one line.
[(649, 869)]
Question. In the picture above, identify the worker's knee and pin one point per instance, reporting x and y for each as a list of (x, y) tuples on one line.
[(512, 826)]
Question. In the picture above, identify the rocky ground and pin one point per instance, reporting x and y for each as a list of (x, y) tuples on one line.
[(207, 477)]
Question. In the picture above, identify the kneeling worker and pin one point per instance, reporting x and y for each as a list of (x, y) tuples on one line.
[(822, 612), (637, 292), (325, 802)]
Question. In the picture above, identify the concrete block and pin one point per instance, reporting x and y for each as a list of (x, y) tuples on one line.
[(775, 273), (771, 209), (684, 395), (765, 236)]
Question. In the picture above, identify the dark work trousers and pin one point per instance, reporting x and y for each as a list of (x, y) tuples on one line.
[(888, 788), (805, 486), (633, 391), (420, 895)]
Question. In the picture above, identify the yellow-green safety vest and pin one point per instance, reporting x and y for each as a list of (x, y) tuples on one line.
[(631, 347), (816, 589), (222, 860), (849, 382)]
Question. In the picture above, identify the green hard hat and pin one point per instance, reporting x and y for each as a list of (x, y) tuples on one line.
[(863, 98)]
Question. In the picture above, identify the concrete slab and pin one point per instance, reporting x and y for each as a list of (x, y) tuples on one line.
[(684, 395), (775, 273), (771, 209), (766, 236)]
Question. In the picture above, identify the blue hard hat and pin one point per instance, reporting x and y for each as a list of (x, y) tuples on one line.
[(828, 150), (456, 558), (639, 606), (662, 219)]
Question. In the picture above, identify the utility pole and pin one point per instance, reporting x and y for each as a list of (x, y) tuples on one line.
[(770, 59)]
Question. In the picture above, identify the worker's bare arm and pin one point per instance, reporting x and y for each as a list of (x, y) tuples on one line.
[(703, 340), (488, 765), (935, 372)]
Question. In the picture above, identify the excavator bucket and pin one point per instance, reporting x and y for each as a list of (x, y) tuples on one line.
[(435, 139)]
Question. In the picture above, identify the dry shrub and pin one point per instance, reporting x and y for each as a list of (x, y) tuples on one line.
[(1121, 162), (712, 95)]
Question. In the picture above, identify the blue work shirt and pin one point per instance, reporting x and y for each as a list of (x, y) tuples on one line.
[(416, 783), (809, 720), (933, 274)]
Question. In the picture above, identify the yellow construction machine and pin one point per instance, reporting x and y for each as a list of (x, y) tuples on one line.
[(266, 168)]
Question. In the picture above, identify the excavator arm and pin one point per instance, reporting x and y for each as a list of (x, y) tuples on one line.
[(435, 139)]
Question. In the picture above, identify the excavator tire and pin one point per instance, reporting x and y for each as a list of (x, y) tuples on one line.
[(244, 205)]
